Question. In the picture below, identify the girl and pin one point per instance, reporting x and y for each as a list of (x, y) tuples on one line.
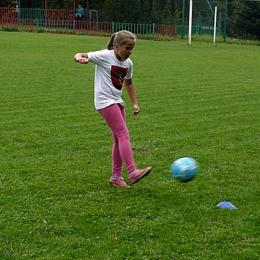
[(113, 69)]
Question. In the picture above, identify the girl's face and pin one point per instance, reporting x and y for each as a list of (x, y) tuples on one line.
[(123, 52)]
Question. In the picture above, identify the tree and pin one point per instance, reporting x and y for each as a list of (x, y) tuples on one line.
[(248, 21)]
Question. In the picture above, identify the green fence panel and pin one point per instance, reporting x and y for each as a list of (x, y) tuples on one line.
[(134, 28)]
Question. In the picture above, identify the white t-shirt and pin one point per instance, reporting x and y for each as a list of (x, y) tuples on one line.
[(109, 77)]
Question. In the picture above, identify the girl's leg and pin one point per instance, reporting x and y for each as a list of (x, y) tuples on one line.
[(114, 116), (116, 157)]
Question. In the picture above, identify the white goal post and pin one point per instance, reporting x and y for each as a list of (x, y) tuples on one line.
[(215, 25), (190, 22)]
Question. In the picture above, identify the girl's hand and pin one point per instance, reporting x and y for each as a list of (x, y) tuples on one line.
[(83, 60), (136, 109)]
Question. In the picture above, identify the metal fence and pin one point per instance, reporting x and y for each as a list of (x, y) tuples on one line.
[(34, 13), (58, 26), (134, 28)]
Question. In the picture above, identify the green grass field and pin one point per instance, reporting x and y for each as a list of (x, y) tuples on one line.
[(199, 101)]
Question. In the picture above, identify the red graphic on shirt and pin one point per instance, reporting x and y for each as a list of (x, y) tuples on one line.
[(117, 75)]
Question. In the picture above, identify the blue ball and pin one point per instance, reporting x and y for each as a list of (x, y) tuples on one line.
[(184, 169)]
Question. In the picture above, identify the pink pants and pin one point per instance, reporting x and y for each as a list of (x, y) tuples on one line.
[(114, 116)]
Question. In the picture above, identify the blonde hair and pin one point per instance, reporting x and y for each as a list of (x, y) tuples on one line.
[(120, 38)]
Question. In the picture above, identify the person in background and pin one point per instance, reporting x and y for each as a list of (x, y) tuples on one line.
[(114, 69), (79, 13)]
